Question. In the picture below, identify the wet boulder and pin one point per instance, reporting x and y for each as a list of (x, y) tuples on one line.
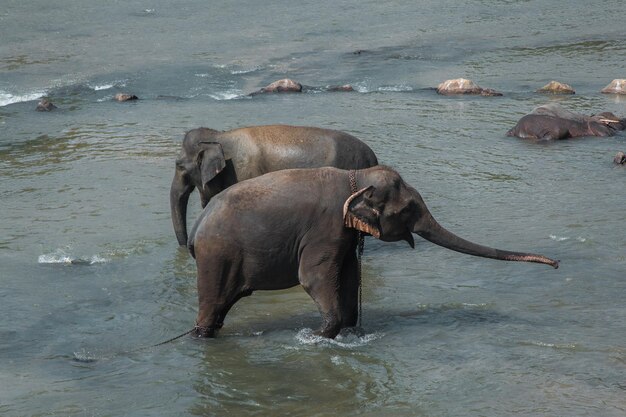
[(125, 97), (620, 158), (555, 87), (285, 85), (617, 86), (344, 88), (464, 86), (45, 105)]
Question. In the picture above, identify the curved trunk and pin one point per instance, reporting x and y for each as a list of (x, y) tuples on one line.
[(179, 197), (431, 230)]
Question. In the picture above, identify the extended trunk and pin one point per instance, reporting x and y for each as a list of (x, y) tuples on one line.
[(431, 230)]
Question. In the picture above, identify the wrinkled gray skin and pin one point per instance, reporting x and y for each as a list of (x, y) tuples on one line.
[(298, 226), (212, 161), (552, 121)]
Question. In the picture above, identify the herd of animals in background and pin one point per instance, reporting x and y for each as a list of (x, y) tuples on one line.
[(287, 205), (548, 122)]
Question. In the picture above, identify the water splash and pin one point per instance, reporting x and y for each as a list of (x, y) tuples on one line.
[(557, 346), (84, 356), (396, 88), (8, 98), (347, 339), (564, 238), (60, 256), (227, 95)]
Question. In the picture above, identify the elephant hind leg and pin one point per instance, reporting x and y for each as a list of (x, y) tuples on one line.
[(218, 290), (214, 316)]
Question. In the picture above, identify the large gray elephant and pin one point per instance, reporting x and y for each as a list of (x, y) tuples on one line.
[(212, 160), (299, 226), (552, 121)]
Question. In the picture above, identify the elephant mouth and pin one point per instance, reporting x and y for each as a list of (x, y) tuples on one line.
[(407, 236)]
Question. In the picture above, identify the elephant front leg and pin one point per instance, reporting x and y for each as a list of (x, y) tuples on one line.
[(349, 291), (321, 282)]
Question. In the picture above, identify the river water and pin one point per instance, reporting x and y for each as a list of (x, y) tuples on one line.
[(91, 275)]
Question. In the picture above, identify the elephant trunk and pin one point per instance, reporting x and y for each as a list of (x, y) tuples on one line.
[(179, 197), (429, 229)]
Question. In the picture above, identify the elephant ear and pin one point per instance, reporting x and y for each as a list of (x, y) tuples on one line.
[(359, 212), (210, 161)]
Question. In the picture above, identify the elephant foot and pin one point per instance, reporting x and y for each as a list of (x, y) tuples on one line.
[(353, 331), (204, 331), (329, 331)]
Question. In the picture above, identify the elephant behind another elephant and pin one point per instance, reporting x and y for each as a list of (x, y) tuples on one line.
[(212, 160)]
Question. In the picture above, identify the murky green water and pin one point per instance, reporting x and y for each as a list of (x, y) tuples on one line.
[(445, 334)]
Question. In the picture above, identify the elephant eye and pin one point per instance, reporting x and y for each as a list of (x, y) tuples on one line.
[(409, 209)]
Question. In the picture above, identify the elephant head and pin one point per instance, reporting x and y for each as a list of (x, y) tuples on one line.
[(200, 161), (390, 210)]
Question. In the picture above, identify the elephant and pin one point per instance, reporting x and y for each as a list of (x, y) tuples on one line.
[(552, 121), (300, 226), (211, 160)]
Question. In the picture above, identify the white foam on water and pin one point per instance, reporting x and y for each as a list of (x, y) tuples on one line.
[(55, 259), (60, 256), (107, 86), (226, 95), (564, 238), (85, 356), (244, 71), (8, 98), (559, 346), (347, 340), (396, 88), (362, 87), (102, 87)]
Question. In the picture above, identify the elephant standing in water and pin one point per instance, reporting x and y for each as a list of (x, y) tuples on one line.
[(212, 161), (552, 121), (299, 226)]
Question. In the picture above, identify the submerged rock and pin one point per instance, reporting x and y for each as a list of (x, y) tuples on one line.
[(125, 97), (464, 86), (45, 105), (617, 86), (620, 158), (345, 87), (285, 85), (555, 87)]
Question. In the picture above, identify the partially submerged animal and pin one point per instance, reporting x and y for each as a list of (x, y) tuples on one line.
[(552, 121)]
